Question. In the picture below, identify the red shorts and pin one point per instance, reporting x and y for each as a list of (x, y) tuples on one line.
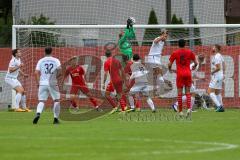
[(118, 86), (184, 80), (82, 87)]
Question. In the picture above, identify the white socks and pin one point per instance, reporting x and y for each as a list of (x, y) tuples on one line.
[(214, 99), (131, 101), (192, 101), (40, 107), (56, 109), (219, 97), (18, 99), (150, 103), (23, 101)]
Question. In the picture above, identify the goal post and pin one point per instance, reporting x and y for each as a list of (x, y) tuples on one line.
[(81, 40)]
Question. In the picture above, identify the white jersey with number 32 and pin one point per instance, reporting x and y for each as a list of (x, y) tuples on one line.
[(48, 68)]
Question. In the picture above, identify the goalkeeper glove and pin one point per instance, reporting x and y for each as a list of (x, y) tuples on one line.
[(130, 22)]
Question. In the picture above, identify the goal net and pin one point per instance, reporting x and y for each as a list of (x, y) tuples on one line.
[(89, 43)]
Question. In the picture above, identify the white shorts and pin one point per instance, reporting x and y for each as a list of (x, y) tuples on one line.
[(154, 61), (216, 82), (44, 90), (142, 88), (13, 82)]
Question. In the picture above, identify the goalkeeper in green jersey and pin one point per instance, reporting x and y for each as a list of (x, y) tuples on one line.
[(124, 38)]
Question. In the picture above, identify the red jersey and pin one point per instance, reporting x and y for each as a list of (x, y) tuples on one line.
[(183, 59), (127, 68), (113, 66), (77, 74)]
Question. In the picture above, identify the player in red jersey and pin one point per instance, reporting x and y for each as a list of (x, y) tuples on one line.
[(78, 83), (183, 58), (113, 67)]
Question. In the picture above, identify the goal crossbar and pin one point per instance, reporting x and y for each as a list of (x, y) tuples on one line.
[(122, 26)]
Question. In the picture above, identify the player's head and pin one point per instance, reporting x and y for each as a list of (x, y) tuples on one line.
[(48, 51), (181, 43), (201, 58), (125, 58), (108, 53), (16, 53), (74, 61), (164, 34), (136, 57), (216, 48)]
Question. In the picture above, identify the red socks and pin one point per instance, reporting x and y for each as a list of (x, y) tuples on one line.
[(123, 102), (94, 101), (179, 99), (188, 95), (136, 102), (73, 103), (111, 101)]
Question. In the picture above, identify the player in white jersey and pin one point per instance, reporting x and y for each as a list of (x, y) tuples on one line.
[(200, 60), (46, 72), (154, 57), (139, 76), (215, 85), (14, 69)]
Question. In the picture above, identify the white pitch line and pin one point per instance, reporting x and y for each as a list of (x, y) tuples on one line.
[(213, 146)]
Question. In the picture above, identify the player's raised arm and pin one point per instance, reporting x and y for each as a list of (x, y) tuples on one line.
[(129, 32)]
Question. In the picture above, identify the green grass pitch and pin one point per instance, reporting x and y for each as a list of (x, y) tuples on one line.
[(209, 136)]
